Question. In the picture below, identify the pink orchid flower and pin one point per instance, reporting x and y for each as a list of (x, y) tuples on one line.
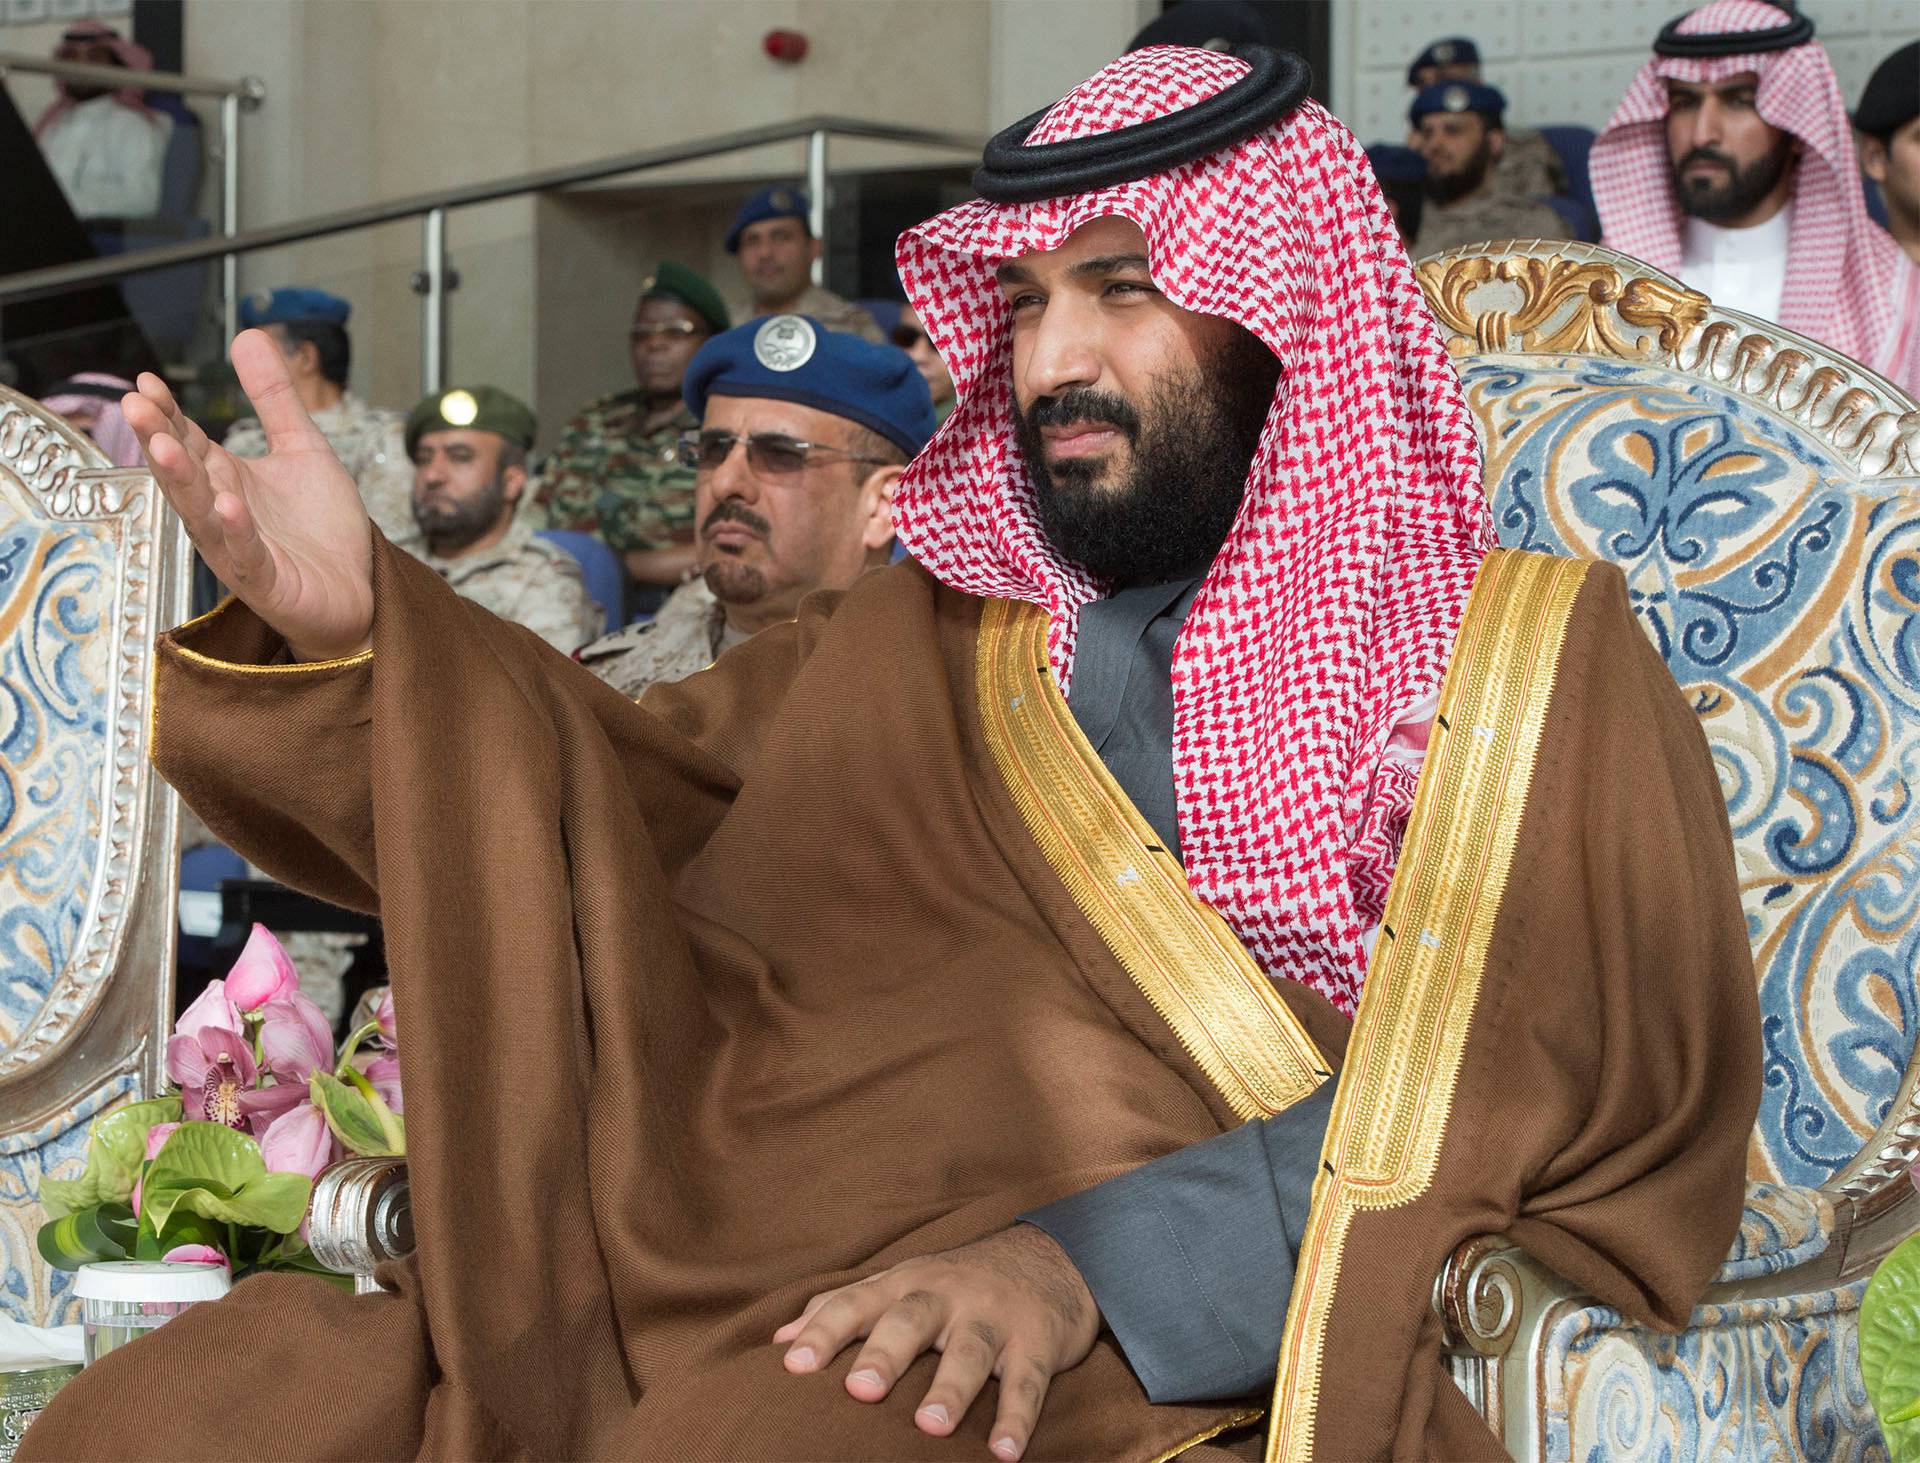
[(384, 1074), (195, 1255), (389, 1025), (157, 1137), (217, 1076), (262, 973), (295, 1039), (298, 1142), (212, 1007)]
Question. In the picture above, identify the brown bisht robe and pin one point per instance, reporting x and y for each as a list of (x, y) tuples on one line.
[(849, 950)]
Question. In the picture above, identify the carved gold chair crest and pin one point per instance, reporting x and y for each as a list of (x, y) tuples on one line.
[(1762, 495), (91, 567)]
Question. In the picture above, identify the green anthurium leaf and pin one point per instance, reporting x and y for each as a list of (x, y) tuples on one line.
[(1890, 1348), (103, 1232), (351, 1116), (116, 1147), (211, 1170), (184, 1227)]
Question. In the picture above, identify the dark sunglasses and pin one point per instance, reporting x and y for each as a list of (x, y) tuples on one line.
[(771, 454), (908, 336)]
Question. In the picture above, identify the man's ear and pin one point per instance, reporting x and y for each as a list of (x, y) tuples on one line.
[(876, 507), (1496, 142), (513, 482), (1873, 157), (305, 360), (814, 246)]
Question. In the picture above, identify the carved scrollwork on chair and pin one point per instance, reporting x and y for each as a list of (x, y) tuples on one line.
[(91, 569), (1762, 496)]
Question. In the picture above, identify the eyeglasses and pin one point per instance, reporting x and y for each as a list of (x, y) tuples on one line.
[(663, 330), (908, 336), (771, 454)]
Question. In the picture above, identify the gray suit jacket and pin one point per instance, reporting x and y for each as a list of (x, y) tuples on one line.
[(1190, 1257)]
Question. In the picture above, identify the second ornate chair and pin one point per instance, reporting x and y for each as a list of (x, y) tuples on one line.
[(1761, 495)]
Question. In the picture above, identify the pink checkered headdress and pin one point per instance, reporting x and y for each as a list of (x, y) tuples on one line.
[(1332, 608), (1849, 285)]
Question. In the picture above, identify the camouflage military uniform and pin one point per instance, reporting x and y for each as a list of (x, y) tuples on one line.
[(368, 441), (1528, 166), (530, 582), (610, 478), (1484, 215), (831, 310), (686, 636)]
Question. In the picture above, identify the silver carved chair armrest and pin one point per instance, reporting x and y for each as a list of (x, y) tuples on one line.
[(361, 1215)]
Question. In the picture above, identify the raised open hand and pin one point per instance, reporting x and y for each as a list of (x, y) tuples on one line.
[(286, 532)]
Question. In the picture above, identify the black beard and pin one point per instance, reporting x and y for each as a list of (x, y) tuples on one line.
[(455, 525), (1742, 190), (1191, 448), (1445, 187)]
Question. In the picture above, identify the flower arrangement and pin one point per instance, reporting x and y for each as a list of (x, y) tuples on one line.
[(1890, 1345), (222, 1169)]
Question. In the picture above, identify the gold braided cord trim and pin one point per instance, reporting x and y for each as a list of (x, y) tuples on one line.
[(1396, 1090), (1183, 956), (1238, 1419), (254, 670)]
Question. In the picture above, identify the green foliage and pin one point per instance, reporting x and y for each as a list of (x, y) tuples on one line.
[(358, 1117), (103, 1232), (1890, 1348), (115, 1149), (211, 1170)]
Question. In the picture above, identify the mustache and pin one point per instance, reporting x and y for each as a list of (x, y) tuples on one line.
[(732, 510), (1085, 405), (1705, 155)]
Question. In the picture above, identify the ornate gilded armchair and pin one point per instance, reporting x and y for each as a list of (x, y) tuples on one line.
[(91, 567), (1763, 496)]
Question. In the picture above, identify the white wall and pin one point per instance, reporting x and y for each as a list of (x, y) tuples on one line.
[(1559, 60)]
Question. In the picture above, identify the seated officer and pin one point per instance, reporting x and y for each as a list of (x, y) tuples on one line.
[(469, 451), (805, 431), (1528, 167), (616, 473), (1458, 127), (776, 247), (310, 327)]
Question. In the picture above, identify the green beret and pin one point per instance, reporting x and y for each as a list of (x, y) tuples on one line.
[(677, 282), (483, 408)]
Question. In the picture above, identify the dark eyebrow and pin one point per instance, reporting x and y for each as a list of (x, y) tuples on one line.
[(1100, 264)]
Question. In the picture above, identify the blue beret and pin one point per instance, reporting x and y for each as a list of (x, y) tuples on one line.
[(795, 358), (1392, 163), (1459, 96), (271, 307), (1453, 51), (780, 200)]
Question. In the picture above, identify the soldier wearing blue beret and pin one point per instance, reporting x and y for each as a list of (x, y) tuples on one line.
[(776, 247), (310, 328), (804, 432), (1458, 131), (1528, 167)]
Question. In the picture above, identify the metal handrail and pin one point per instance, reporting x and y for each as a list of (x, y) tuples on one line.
[(55, 279), (245, 94), (434, 278), (251, 90)]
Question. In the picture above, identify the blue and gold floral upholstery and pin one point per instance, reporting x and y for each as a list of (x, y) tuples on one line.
[(88, 574), (1762, 497)]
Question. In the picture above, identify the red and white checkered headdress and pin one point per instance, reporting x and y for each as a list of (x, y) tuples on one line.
[(1332, 608), (1849, 285)]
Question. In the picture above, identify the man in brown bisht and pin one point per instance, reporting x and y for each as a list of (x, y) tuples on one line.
[(1036, 878)]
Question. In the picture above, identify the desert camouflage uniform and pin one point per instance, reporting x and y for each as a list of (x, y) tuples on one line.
[(1485, 215), (610, 478), (686, 636), (1528, 166), (833, 311), (530, 582), (370, 443)]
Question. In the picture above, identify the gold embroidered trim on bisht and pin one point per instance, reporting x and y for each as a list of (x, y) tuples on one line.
[(1238, 1419), (1409, 1035), (256, 670), (1183, 956)]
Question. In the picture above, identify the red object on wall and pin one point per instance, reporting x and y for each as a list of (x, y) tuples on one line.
[(785, 45)]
